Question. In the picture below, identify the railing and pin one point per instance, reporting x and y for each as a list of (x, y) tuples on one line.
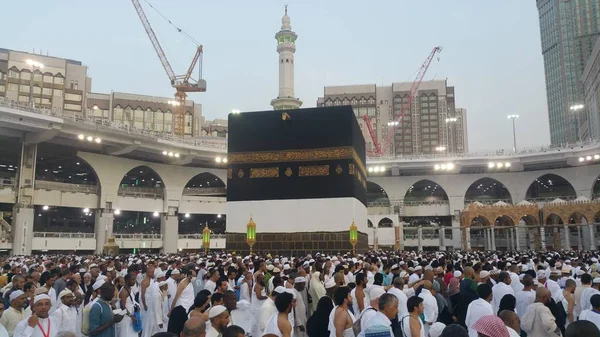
[(65, 235), (199, 191), (199, 236), (549, 199), (141, 192), (137, 236), (493, 153), (66, 187), (214, 143), (425, 202), (378, 204), (217, 143), (8, 182), (487, 201)]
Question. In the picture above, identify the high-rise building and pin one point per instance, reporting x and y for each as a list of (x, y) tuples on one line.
[(430, 125), (569, 29), (44, 81), (286, 47)]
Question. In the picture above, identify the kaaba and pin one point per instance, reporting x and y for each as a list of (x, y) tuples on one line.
[(300, 175)]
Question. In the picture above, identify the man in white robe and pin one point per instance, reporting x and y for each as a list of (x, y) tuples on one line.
[(39, 324), (479, 307)]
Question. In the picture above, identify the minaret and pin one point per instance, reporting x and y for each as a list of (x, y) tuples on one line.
[(286, 47)]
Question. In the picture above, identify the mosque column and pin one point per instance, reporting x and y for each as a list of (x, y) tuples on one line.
[(579, 237), (493, 234), (442, 234), (419, 238), (468, 238), (516, 233), (23, 212), (592, 231), (509, 239), (542, 238), (104, 228), (567, 237), (169, 228), (397, 237)]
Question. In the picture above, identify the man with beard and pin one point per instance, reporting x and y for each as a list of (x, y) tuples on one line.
[(39, 324), (340, 318), (102, 320), (219, 320)]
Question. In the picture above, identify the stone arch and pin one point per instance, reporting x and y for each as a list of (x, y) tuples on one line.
[(205, 183), (63, 165), (487, 190), (376, 195), (478, 227), (385, 223), (577, 217), (425, 191), (144, 180), (550, 186)]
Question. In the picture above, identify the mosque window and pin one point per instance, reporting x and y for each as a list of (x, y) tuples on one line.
[(287, 60)]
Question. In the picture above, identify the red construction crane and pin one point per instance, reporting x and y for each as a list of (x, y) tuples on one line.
[(378, 149), (182, 83)]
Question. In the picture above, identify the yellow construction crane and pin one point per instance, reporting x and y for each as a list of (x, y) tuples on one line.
[(182, 83)]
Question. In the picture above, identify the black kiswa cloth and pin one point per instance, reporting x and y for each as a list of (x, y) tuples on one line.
[(296, 154)]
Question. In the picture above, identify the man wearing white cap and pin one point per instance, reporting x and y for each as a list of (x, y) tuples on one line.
[(15, 313), (268, 309), (219, 320), (39, 324), (172, 285), (66, 315), (156, 303)]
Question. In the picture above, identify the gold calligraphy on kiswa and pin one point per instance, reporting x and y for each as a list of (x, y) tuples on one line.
[(313, 171), (265, 172)]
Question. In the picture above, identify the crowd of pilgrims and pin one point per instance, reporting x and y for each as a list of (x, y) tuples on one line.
[(400, 294)]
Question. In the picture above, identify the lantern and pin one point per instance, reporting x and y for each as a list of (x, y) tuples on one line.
[(206, 238), (353, 237), (251, 233)]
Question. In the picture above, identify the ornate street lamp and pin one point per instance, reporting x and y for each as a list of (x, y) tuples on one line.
[(251, 233), (353, 237), (206, 238)]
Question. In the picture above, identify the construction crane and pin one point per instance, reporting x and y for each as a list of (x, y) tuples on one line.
[(380, 149), (183, 84)]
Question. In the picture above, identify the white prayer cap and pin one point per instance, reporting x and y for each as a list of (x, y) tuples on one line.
[(216, 311), (93, 265), (64, 293), (175, 272), (162, 283), (330, 283), (403, 274), (286, 267), (40, 290), (484, 274), (436, 329), (596, 280), (417, 268), (299, 280), (16, 294), (376, 292), (270, 267), (98, 284), (276, 270), (82, 270), (457, 273), (279, 289), (40, 297), (541, 274), (580, 272), (158, 274), (101, 277), (394, 267), (291, 291)]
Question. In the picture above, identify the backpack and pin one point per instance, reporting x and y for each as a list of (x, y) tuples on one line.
[(356, 324), (85, 325)]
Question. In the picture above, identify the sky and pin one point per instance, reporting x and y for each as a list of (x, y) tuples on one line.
[(492, 52)]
